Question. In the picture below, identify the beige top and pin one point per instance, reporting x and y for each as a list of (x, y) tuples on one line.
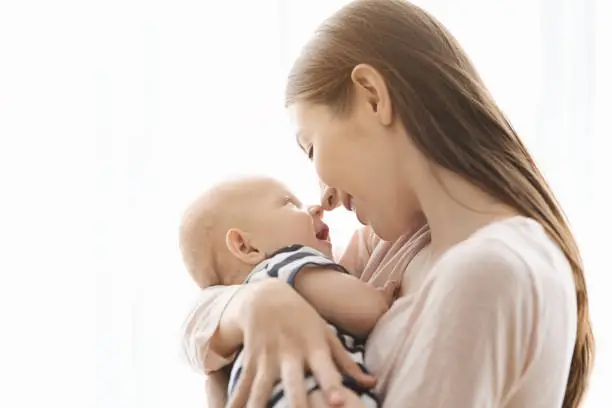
[(491, 324)]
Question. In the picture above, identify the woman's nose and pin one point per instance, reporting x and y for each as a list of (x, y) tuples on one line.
[(329, 198)]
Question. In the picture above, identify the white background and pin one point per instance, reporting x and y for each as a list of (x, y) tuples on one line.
[(114, 114)]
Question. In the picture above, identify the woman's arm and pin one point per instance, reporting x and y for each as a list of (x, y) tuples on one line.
[(214, 330), (204, 323), (474, 331)]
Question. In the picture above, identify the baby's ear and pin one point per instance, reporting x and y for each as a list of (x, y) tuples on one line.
[(240, 246)]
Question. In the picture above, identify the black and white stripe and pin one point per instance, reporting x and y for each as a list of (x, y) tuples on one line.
[(285, 264)]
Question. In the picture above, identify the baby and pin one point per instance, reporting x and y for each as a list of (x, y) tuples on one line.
[(248, 230)]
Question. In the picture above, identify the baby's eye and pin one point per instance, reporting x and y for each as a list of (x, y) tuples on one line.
[(293, 202)]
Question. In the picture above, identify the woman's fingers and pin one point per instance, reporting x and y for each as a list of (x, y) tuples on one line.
[(292, 376), (280, 348), (242, 389), (327, 376), (262, 389), (346, 364)]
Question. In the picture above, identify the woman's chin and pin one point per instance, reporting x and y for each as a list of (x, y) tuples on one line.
[(382, 231), (361, 218), (387, 233)]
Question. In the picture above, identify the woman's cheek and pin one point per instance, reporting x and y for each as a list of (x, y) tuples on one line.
[(322, 171), (328, 165)]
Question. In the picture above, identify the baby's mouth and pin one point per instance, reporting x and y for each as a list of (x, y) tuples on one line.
[(323, 233)]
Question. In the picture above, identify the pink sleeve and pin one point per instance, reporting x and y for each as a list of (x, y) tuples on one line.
[(358, 251), (202, 323), (473, 335)]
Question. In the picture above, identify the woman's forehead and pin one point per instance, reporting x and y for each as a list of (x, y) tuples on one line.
[(305, 118), (295, 123)]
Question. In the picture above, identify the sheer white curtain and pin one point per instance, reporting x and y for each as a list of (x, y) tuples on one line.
[(114, 114)]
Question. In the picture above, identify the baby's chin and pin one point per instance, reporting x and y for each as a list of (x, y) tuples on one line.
[(325, 247)]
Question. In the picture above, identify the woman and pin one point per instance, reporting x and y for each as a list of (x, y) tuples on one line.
[(494, 307)]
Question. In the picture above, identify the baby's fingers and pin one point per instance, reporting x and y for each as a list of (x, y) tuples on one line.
[(391, 290)]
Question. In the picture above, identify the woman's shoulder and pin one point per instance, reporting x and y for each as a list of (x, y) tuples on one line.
[(515, 254)]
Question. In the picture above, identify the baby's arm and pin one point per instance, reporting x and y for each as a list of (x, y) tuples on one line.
[(339, 297), (344, 300)]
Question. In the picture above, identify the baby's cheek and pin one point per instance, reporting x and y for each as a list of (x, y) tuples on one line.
[(298, 233)]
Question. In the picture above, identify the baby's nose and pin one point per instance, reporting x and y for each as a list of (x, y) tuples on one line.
[(329, 198), (316, 211)]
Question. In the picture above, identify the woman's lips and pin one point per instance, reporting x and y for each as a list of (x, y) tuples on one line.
[(360, 219), (348, 202)]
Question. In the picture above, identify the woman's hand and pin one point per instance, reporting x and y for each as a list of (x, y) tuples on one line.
[(283, 337)]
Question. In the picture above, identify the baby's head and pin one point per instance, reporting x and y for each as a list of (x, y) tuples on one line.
[(236, 224)]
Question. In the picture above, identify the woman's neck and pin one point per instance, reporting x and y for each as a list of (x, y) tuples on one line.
[(455, 209)]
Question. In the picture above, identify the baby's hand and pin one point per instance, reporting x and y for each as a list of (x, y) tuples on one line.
[(390, 291)]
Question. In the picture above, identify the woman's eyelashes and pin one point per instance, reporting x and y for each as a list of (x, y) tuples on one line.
[(310, 152)]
